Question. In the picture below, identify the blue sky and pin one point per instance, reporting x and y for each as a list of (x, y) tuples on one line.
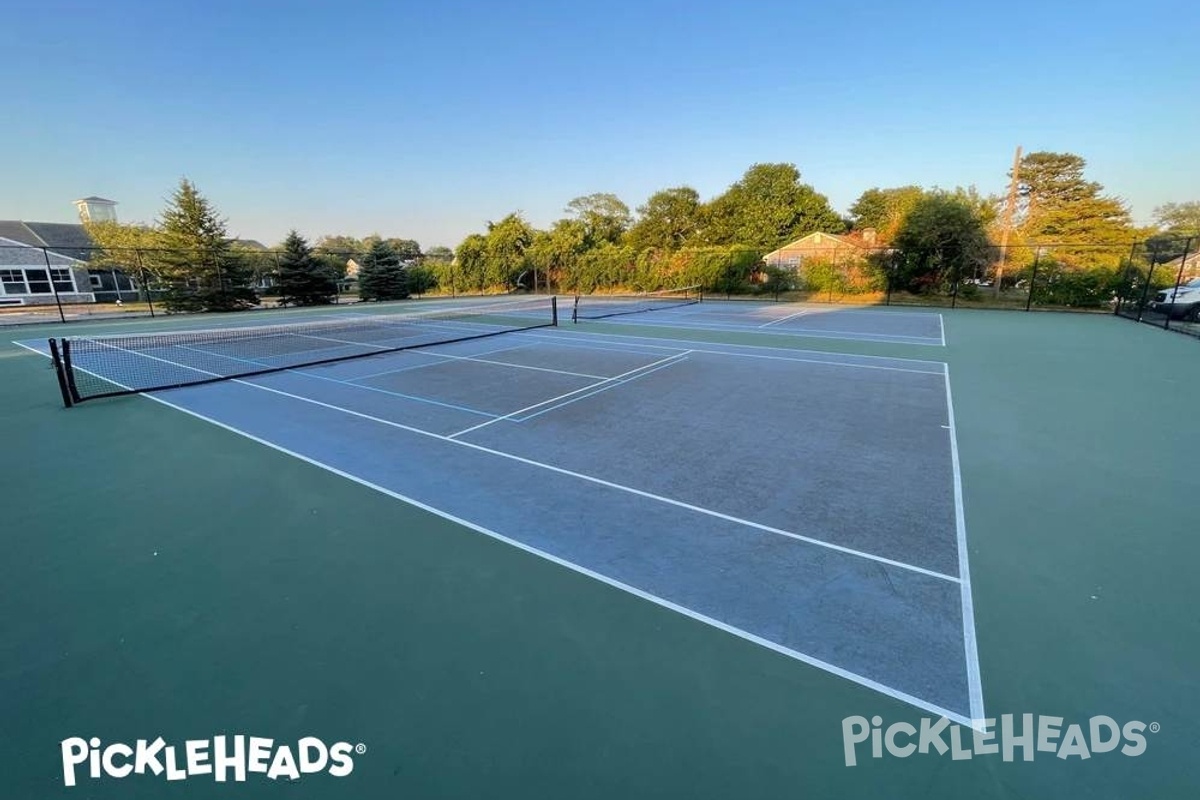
[(425, 120)]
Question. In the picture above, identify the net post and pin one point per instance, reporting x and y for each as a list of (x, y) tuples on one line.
[(575, 311), (60, 373), (69, 371), (554, 310)]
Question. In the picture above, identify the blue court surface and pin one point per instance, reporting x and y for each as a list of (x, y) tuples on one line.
[(806, 501), (797, 320)]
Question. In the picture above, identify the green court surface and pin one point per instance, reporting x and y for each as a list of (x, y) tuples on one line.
[(165, 577)]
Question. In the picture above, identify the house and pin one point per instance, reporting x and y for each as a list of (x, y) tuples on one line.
[(32, 275), (71, 242), (829, 247), (1189, 262)]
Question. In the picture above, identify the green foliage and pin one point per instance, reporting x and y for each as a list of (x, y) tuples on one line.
[(669, 220), (884, 209), (421, 279), (768, 207), (184, 297), (202, 265), (1060, 205), (605, 218), (942, 239), (439, 253), (1058, 284), (778, 280), (555, 253), (471, 262), (505, 249), (346, 245), (381, 276), (304, 280), (1179, 217), (835, 278)]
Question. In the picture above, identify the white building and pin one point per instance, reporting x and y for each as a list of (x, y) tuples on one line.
[(96, 209)]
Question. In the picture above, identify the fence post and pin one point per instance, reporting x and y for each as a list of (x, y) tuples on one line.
[(50, 277), (1146, 288), (1127, 281), (1037, 258), (137, 251), (957, 279), (1187, 245)]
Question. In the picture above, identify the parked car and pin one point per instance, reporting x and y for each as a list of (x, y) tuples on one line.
[(1179, 303)]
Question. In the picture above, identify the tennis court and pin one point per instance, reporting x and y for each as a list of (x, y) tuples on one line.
[(781, 320), (639, 435), (664, 565)]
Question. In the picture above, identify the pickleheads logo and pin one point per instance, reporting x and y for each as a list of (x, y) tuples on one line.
[(1031, 735), (222, 757)]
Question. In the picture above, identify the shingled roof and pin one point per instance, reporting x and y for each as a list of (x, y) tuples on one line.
[(70, 240)]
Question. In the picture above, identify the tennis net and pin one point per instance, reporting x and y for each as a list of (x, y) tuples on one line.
[(601, 306), (92, 367)]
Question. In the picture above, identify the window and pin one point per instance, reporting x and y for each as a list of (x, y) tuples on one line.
[(38, 282), (13, 281), (95, 281), (64, 281)]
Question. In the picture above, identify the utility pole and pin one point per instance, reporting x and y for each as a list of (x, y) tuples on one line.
[(1009, 209)]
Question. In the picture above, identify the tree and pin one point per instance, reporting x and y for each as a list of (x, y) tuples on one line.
[(207, 273), (132, 248), (668, 220), (406, 249), (439, 254), (604, 216), (471, 260), (507, 242), (941, 239), (381, 276), (555, 253), (341, 245), (1178, 217), (884, 209), (303, 279), (768, 207), (1060, 206)]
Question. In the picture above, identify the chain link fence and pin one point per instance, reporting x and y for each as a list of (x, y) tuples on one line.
[(1156, 281)]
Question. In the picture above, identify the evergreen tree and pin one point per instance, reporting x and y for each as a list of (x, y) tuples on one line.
[(381, 276), (1060, 206), (303, 279), (205, 271)]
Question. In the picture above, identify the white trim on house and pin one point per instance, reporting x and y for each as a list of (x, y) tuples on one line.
[(18, 280)]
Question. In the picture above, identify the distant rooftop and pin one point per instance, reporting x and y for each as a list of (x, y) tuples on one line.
[(94, 199)]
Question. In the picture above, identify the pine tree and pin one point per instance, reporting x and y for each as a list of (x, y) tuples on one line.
[(206, 273), (1061, 206), (381, 275), (303, 279)]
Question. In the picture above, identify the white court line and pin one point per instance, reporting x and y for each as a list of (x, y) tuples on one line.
[(611, 485), (830, 308), (429, 364), (621, 382), (299, 371), (784, 319), (802, 333), (565, 395), (970, 642), (812, 661), (942, 328), (625, 338), (478, 360), (819, 361), (581, 476)]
